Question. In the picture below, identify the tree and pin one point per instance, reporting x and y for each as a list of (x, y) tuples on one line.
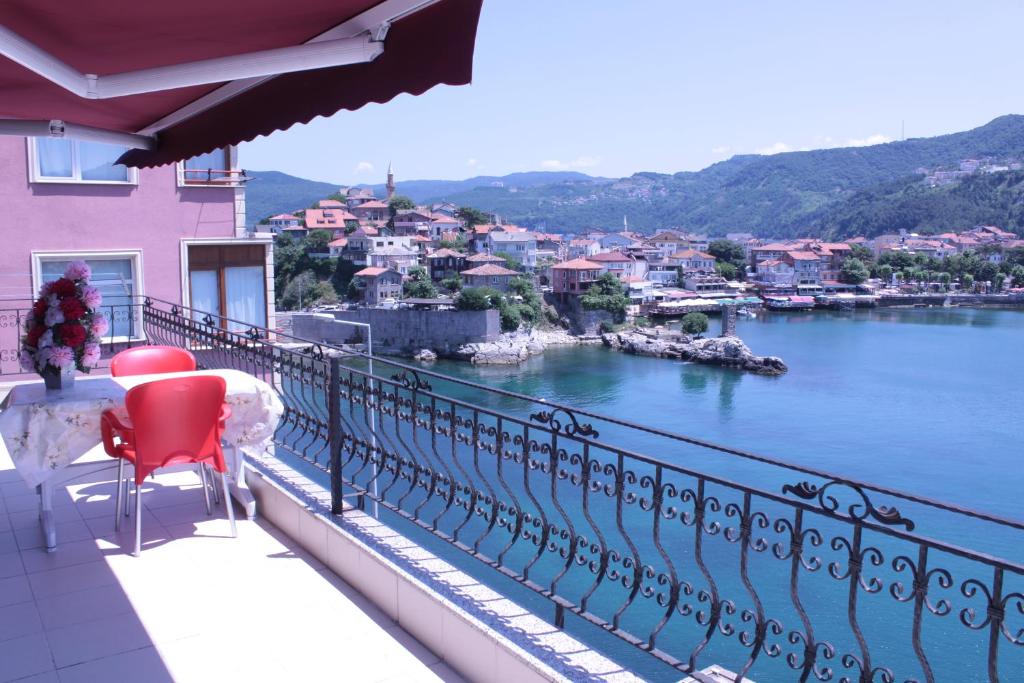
[(885, 273), (862, 253), (471, 216), (510, 316), (453, 283), (726, 270), (1017, 273), (944, 280), (730, 252), (997, 282), (344, 271), (458, 244), (606, 294), (419, 286), (853, 271), (400, 203), (317, 240), (695, 324), (478, 299), (297, 294), (967, 283)]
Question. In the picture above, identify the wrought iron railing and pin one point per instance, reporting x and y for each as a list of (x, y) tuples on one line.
[(686, 551), (124, 329)]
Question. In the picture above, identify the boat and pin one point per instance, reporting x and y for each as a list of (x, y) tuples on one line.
[(789, 303)]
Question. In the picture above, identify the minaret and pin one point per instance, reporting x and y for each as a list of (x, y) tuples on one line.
[(391, 182), (625, 224)]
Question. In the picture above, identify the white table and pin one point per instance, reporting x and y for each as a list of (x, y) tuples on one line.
[(48, 433)]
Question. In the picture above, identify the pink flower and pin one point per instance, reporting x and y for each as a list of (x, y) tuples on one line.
[(61, 357), (78, 270), (26, 360), (91, 297), (91, 355), (100, 326)]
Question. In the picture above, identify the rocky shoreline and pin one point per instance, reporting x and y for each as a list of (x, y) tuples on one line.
[(513, 348), (728, 352)]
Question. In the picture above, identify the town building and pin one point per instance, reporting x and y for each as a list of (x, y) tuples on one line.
[(575, 276), (521, 246), (334, 218), (445, 263), (622, 266), (378, 284), (583, 247), (282, 221), (662, 272), (489, 275), (397, 258), (371, 210), (693, 261)]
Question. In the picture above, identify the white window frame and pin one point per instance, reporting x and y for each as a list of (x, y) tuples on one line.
[(35, 173), (231, 157), (134, 255)]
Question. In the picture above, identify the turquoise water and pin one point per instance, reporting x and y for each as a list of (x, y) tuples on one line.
[(925, 400)]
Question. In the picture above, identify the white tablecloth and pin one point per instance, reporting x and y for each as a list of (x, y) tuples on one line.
[(45, 432)]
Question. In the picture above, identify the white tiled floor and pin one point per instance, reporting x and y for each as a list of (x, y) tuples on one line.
[(196, 606)]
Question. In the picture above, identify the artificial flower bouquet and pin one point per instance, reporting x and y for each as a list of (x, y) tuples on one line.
[(64, 328)]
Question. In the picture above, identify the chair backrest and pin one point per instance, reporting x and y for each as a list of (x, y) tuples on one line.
[(148, 360), (176, 420)]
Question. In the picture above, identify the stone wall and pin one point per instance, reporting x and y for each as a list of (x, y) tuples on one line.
[(401, 330), (581, 321)]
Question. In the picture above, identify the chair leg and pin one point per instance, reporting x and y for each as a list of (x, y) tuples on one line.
[(213, 484), (206, 488), (128, 493), (229, 505), (120, 487), (138, 520)]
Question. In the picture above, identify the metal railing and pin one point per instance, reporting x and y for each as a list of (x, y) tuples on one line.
[(684, 550)]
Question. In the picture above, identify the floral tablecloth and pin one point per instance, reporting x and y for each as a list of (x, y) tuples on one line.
[(45, 432)]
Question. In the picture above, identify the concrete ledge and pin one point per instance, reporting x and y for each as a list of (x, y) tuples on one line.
[(474, 629)]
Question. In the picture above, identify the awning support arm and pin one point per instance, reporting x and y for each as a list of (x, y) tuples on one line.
[(61, 129), (314, 55)]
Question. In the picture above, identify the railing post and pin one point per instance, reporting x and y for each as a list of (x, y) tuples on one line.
[(334, 432)]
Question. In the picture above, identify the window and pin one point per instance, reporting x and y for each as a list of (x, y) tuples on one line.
[(62, 160), (118, 277), (229, 281), (213, 168)]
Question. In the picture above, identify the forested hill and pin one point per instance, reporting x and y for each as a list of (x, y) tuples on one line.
[(836, 192)]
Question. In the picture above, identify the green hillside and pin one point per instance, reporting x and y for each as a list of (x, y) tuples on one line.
[(838, 192), (270, 192)]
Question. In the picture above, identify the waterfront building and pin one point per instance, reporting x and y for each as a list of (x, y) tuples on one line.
[(705, 285), (620, 265), (575, 276), (693, 261), (663, 272), (378, 284), (489, 275), (774, 273)]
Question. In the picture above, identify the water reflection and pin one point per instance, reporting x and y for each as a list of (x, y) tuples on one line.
[(695, 379)]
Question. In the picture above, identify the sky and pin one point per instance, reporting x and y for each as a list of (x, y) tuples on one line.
[(611, 88)]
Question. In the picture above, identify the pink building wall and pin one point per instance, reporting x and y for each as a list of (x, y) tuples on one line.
[(153, 216)]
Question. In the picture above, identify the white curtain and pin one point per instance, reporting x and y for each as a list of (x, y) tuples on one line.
[(54, 157), (205, 294), (246, 296), (96, 160)]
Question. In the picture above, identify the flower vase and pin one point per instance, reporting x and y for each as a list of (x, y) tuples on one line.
[(56, 379)]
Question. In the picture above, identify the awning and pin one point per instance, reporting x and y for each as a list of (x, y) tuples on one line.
[(177, 80)]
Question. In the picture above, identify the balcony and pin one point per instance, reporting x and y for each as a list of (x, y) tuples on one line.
[(588, 547)]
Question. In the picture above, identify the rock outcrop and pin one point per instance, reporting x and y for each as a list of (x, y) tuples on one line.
[(425, 356), (514, 348), (728, 352)]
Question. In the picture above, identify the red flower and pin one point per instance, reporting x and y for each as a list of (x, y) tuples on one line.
[(39, 308), (63, 287), (32, 338), (72, 308), (73, 335)]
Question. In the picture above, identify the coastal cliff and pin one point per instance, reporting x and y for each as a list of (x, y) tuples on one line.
[(728, 352)]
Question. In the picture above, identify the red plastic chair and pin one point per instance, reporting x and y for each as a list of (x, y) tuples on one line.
[(172, 421), (148, 360)]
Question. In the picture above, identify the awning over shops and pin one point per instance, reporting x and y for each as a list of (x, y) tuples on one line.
[(176, 80)]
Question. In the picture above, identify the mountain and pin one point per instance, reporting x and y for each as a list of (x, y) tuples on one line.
[(268, 193), (835, 192), (273, 192)]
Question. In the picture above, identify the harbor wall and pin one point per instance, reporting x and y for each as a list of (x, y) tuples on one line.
[(953, 299), (401, 330)]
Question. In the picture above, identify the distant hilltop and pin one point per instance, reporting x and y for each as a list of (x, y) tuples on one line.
[(922, 185)]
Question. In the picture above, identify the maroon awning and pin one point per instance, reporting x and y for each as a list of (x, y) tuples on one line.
[(424, 46)]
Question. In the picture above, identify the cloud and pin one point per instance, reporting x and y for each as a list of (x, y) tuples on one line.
[(578, 162), (721, 149), (876, 139), (364, 167), (777, 148), (472, 162)]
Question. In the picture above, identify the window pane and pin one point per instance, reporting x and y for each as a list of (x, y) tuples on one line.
[(215, 160), (97, 161), (205, 293), (116, 282), (246, 296), (54, 156)]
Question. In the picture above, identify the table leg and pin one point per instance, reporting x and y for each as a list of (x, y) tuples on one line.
[(238, 486), (45, 491)]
